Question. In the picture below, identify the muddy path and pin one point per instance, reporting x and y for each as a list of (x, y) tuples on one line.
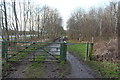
[(79, 69)]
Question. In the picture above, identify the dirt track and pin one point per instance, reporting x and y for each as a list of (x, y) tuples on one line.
[(79, 69)]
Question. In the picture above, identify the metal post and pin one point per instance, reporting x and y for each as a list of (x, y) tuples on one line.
[(63, 51), (91, 51), (6, 49), (86, 56), (0, 49), (33, 57), (0, 60), (3, 49)]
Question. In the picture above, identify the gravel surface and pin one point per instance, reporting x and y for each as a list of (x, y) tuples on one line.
[(78, 70)]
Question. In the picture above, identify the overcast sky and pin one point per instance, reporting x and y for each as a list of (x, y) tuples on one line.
[(66, 7)]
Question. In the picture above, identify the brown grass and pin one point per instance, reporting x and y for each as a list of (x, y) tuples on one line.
[(106, 50)]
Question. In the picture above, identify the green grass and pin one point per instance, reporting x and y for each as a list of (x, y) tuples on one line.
[(40, 58), (34, 70), (106, 69), (78, 49), (57, 56)]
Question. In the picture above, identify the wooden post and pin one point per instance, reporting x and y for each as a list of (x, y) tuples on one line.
[(86, 55)]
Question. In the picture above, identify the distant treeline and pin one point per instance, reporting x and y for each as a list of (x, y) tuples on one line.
[(98, 23)]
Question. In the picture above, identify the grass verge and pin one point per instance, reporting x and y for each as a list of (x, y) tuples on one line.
[(106, 69)]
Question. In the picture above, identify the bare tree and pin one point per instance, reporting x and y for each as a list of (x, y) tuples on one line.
[(16, 20), (6, 23), (96, 24)]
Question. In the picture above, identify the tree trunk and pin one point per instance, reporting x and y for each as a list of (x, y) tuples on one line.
[(16, 20), (6, 23)]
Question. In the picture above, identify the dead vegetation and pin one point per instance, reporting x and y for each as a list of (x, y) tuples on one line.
[(106, 51)]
